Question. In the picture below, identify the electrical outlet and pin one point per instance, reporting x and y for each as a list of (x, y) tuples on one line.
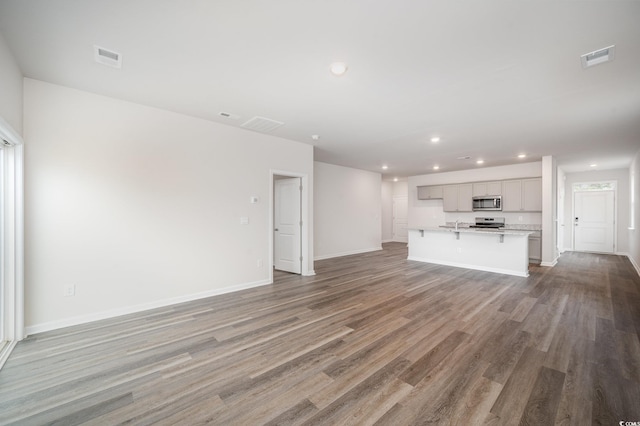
[(69, 290)]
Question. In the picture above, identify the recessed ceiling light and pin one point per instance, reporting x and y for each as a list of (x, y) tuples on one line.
[(385, 167), (315, 137), (480, 162), (522, 155), (395, 179), (436, 167), (466, 157), (593, 165), (338, 68), (435, 139)]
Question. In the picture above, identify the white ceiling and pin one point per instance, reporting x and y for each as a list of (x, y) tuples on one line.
[(492, 78)]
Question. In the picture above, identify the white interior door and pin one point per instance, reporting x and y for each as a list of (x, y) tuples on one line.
[(287, 224), (400, 207), (593, 221)]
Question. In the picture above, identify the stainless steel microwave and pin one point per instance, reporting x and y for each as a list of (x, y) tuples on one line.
[(487, 202)]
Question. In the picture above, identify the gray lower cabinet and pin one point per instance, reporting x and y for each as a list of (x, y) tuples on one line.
[(535, 247)]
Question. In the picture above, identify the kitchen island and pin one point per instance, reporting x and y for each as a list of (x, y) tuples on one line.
[(493, 250)]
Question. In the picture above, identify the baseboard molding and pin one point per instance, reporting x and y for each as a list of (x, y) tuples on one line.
[(549, 264), (634, 264), (346, 253), (466, 266), (83, 319), (387, 241)]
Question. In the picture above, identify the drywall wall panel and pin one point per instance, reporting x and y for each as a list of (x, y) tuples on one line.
[(634, 212), (347, 211), (10, 89), (387, 210), (135, 206)]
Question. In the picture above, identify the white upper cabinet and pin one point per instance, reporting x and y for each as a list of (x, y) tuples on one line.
[(522, 195), (457, 198), (487, 188), (429, 192)]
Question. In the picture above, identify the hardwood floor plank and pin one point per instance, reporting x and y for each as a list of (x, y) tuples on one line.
[(543, 402), (370, 339)]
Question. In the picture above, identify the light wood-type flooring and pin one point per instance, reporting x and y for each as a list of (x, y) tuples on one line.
[(371, 339)]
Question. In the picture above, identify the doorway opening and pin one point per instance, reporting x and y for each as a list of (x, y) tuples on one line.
[(11, 241), (289, 232), (594, 213)]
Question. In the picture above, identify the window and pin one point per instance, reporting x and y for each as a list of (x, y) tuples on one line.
[(594, 186)]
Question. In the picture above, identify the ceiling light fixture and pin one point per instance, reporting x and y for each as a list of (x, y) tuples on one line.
[(593, 165), (385, 167), (480, 162), (436, 167), (315, 137), (435, 139), (522, 155), (338, 68), (395, 179)]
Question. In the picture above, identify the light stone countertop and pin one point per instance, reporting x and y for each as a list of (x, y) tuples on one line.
[(466, 229)]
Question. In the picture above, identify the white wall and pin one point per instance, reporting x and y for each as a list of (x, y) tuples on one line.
[(430, 213), (10, 89), (400, 189), (621, 176), (347, 211), (550, 251), (634, 204), (387, 211), (140, 207)]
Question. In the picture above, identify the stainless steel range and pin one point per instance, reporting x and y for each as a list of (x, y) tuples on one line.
[(489, 222)]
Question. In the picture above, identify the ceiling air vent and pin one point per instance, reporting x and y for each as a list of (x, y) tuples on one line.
[(107, 57), (261, 124), (598, 56)]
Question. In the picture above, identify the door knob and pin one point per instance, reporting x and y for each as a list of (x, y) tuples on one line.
[(276, 229)]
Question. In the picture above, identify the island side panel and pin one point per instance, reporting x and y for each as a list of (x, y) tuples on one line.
[(481, 251)]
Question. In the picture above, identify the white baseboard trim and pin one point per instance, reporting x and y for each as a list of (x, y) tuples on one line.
[(549, 264), (6, 351), (635, 265), (387, 241), (309, 273), (83, 319), (467, 266), (346, 253)]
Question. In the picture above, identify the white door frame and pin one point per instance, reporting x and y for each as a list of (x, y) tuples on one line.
[(615, 212), (305, 231), (12, 223)]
